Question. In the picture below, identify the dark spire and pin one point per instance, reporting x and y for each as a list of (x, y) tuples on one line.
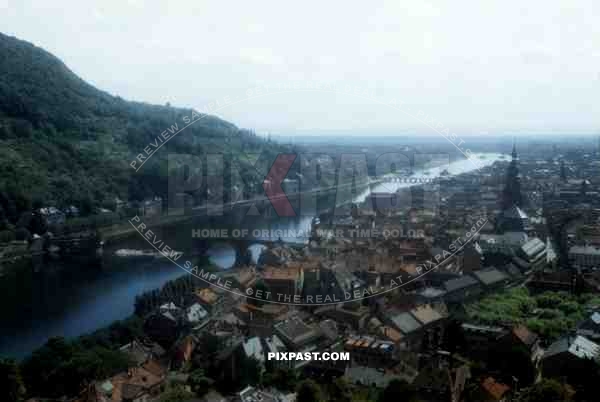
[(514, 150), (512, 191)]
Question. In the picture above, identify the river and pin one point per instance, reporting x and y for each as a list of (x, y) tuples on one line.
[(74, 301)]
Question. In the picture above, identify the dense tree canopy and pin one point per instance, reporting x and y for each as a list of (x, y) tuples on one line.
[(64, 142), (309, 391), (398, 390), (12, 387), (176, 394), (549, 314), (62, 367), (546, 391)]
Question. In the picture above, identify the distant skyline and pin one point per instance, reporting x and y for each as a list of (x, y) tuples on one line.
[(476, 67)]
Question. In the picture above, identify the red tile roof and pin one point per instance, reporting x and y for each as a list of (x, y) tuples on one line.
[(524, 335), (495, 389)]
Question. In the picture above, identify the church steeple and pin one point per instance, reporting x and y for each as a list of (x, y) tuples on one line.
[(512, 191)]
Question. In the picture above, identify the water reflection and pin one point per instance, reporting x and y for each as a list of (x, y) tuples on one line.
[(223, 254)]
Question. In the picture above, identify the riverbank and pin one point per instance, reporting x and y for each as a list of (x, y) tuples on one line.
[(72, 299)]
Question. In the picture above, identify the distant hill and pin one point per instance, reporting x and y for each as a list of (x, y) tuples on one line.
[(64, 142)]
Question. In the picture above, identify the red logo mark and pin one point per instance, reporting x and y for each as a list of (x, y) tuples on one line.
[(272, 184)]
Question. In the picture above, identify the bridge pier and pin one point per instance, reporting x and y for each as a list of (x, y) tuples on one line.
[(243, 255)]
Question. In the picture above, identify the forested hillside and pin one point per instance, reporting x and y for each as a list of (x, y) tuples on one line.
[(64, 142)]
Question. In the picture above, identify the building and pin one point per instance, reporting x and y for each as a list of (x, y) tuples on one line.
[(430, 295), (523, 337), (368, 376), (260, 319), (480, 338), (511, 194), (283, 282), (140, 352), (513, 219), (590, 327), (410, 328), (273, 344), (347, 283), (405, 322), (386, 332), (570, 354), (493, 391), (195, 315), (534, 253), (253, 349), (352, 314), (371, 352), (461, 289), (432, 322), (387, 203), (296, 334), (329, 329), (491, 278), (251, 394), (137, 384), (584, 256), (506, 243), (472, 256), (241, 278), (513, 272), (213, 302)]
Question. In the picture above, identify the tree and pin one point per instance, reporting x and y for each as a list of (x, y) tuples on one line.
[(11, 383), (176, 394), (282, 379), (546, 391), (339, 391), (61, 368), (199, 383), (42, 371), (309, 391), (398, 390)]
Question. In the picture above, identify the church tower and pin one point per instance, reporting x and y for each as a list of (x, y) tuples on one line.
[(512, 218), (512, 190)]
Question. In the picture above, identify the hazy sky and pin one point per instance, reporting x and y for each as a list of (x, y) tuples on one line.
[(474, 66)]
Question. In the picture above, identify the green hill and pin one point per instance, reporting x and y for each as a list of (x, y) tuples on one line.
[(64, 142)]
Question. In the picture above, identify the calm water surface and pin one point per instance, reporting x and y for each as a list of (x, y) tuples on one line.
[(77, 301)]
